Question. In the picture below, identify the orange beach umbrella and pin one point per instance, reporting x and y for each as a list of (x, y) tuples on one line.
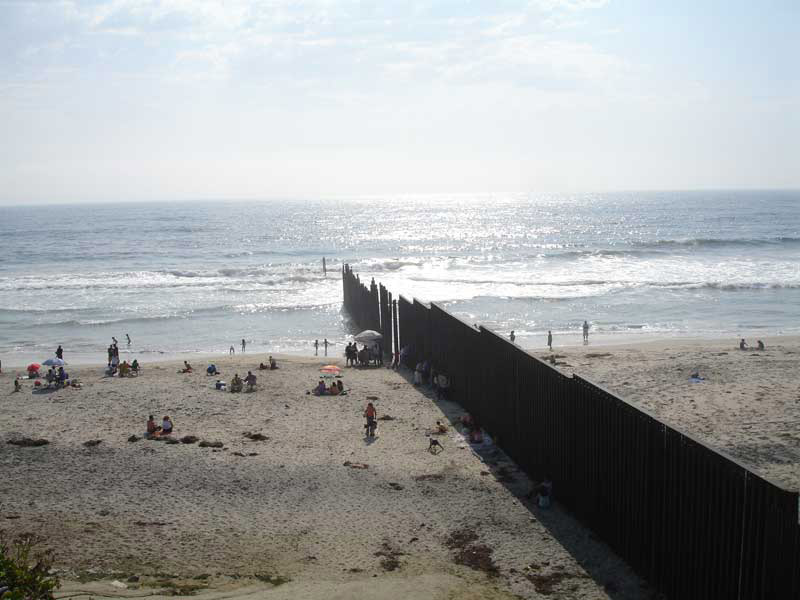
[(330, 370)]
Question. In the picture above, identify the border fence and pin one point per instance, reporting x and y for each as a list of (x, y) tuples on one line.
[(690, 520)]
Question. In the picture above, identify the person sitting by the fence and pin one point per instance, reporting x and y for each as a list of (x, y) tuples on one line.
[(405, 352), (236, 384), (743, 345), (433, 379), (250, 380), (760, 345), (542, 493)]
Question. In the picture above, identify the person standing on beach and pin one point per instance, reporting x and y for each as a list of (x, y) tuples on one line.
[(129, 339), (232, 350), (110, 354), (113, 339), (586, 332), (550, 340), (512, 337), (244, 343), (316, 347), (325, 343), (60, 352)]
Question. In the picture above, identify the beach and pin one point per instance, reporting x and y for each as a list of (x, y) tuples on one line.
[(747, 403), (314, 508), (298, 507)]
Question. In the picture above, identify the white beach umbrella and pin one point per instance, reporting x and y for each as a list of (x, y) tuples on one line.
[(367, 336), (54, 362)]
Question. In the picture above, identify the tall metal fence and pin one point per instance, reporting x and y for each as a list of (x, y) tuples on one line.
[(692, 521)]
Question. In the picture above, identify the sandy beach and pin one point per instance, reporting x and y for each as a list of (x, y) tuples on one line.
[(747, 405), (286, 510)]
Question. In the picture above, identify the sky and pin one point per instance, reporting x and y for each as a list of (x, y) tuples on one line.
[(214, 99)]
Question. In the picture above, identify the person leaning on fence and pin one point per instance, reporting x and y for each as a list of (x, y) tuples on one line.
[(442, 386)]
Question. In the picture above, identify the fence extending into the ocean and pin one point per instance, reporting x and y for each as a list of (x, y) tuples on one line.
[(693, 522)]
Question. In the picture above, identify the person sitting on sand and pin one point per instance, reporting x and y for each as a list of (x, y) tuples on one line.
[(153, 430), (340, 386), (212, 370), (333, 390), (262, 367), (742, 345), (187, 368), (760, 345), (440, 427), (124, 369), (273, 364), (63, 376), (17, 386), (135, 366), (51, 377), (166, 425), (250, 380), (320, 389), (236, 384)]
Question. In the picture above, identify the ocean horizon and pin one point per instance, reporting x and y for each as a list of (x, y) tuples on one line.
[(197, 277)]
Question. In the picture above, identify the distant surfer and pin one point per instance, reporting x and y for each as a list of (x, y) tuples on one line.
[(129, 339)]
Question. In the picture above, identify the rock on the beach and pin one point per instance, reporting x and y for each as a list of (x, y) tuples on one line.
[(256, 437), (207, 444), (189, 439), (92, 443), (27, 442), (134, 438)]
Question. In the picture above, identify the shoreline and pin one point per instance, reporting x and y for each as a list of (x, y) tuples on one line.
[(574, 342)]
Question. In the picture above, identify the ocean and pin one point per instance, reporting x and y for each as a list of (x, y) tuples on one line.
[(200, 276)]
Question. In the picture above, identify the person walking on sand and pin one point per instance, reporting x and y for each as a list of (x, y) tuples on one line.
[(244, 344), (550, 340), (316, 347), (325, 343), (231, 350), (60, 352), (512, 337), (370, 413), (586, 332)]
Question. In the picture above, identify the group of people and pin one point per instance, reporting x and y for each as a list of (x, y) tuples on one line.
[(237, 383), (154, 430), (355, 357), (325, 343), (336, 388), (273, 364), (743, 345)]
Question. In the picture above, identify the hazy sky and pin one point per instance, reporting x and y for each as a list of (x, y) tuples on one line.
[(176, 99)]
